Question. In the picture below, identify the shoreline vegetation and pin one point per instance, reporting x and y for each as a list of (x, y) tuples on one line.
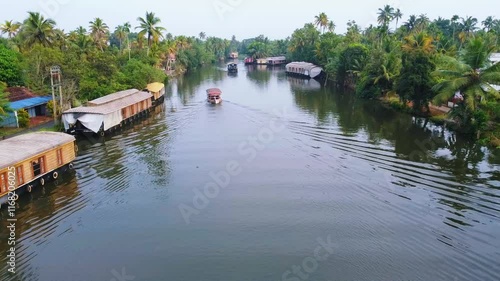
[(413, 66)]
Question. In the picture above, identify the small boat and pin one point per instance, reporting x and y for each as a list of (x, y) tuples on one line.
[(213, 96), (232, 67), (249, 60), (31, 160)]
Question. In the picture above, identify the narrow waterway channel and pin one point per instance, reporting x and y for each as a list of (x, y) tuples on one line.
[(285, 180)]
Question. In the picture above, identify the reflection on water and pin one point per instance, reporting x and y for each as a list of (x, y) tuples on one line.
[(400, 198)]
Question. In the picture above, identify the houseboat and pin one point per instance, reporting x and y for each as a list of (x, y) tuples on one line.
[(232, 67), (249, 60), (262, 61), (304, 69), (158, 91), (276, 60), (213, 96), (107, 113), (234, 55), (31, 160)]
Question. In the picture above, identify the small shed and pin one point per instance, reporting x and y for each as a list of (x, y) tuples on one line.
[(36, 106)]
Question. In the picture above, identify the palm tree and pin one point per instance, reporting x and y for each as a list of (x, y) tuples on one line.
[(37, 29), (422, 22), (149, 26), (99, 32), (10, 27), (321, 21), (488, 23), (120, 34), (469, 25), (385, 15), (418, 42), (203, 35), (397, 16), (331, 26), (472, 76), (126, 29), (454, 21), (412, 22)]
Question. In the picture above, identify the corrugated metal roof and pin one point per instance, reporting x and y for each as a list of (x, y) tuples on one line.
[(155, 87), (301, 64), (20, 148), (495, 57), (277, 58), (112, 97), (112, 106), (29, 103)]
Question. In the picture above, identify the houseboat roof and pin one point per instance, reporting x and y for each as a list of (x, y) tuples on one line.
[(112, 97), (29, 103), (214, 92), (20, 148), (155, 87), (302, 64), (277, 58), (112, 106), (495, 57)]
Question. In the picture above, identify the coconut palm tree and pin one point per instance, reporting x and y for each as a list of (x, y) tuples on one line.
[(454, 21), (385, 15), (203, 35), (411, 24), (99, 32), (469, 25), (472, 77), (10, 27), (120, 34), (322, 21), (126, 29), (397, 16), (419, 42), (149, 27), (37, 30), (488, 23), (331, 26), (422, 22)]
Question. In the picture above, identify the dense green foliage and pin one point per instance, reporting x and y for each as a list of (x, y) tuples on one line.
[(417, 61), (4, 102), (23, 118)]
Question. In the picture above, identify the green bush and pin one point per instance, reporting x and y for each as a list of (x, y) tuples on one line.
[(24, 118)]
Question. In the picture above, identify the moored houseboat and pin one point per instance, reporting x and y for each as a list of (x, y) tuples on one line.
[(107, 113), (232, 67), (249, 60), (31, 160), (304, 69), (214, 96), (276, 60), (262, 61), (158, 91)]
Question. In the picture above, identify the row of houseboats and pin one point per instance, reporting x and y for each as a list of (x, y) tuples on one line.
[(31, 160)]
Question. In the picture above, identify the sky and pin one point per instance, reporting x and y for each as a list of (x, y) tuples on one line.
[(242, 18)]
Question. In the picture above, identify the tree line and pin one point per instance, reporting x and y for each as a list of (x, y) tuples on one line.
[(96, 60)]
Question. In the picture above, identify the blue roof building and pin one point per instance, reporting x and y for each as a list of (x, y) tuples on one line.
[(36, 106)]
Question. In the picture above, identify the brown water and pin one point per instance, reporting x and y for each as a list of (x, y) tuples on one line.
[(303, 182)]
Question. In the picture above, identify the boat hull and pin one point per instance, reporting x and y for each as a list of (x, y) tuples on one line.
[(39, 182)]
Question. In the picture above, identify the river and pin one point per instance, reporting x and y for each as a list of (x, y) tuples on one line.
[(285, 180)]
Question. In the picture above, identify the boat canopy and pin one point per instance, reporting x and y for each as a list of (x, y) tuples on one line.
[(155, 87), (20, 148), (214, 92)]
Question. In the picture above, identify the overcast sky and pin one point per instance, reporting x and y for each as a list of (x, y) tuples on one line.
[(243, 18)]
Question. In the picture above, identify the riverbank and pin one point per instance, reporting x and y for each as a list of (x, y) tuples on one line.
[(439, 115)]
